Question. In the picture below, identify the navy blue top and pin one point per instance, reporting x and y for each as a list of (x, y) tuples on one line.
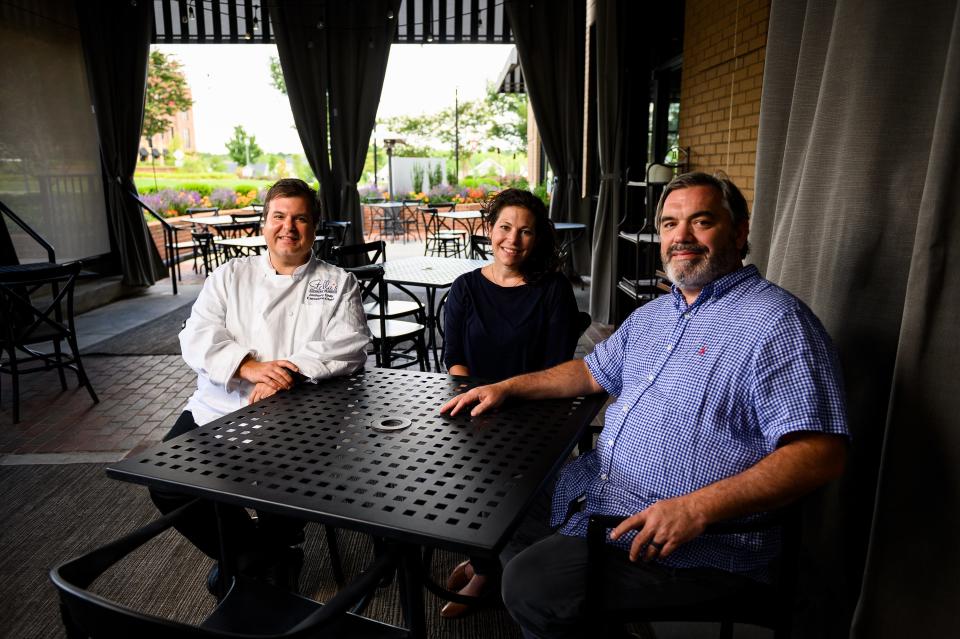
[(498, 332)]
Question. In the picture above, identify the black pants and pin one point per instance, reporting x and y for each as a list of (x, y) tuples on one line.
[(251, 541), (545, 580)]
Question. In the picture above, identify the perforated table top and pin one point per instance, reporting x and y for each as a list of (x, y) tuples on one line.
[(372, 452), (437, 272)]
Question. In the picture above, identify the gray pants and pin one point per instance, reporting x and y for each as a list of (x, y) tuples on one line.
[(544, 586)]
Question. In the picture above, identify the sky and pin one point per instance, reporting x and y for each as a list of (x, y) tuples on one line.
[(231, 85)]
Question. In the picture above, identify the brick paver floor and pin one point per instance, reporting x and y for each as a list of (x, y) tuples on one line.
[(140, 398)]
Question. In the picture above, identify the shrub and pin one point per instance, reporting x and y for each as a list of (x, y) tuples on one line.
[(370, 193), (203, 189), (444, 193), (542, 192)]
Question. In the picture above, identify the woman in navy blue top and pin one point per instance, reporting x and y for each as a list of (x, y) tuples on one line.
[(513, 316)]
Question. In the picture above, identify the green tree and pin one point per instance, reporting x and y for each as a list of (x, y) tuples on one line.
[(276, 76), (242, 147), (496, 121), (167, 94)]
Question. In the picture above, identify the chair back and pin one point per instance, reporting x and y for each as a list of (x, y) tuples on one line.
[(335, 234), (22, 321), (373, 288), (240, 229), (202, 210), (278, 613), (481, 247), (364, 254)]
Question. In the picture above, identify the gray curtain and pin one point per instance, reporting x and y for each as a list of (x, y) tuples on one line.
[(334, 56), (117, 74), (611, 124), (857, 192), (550, 44)]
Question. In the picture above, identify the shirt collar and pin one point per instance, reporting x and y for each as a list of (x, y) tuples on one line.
[(718, 287), (297, 274)]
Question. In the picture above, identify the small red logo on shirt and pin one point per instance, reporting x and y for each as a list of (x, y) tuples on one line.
[(703, 350)]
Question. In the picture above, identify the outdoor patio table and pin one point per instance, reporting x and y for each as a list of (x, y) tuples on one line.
[(392, 213), (431, 273), (371, 452), (469, 220), (213, 220)]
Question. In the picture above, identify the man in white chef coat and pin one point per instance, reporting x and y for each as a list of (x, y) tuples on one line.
[(261, 324)]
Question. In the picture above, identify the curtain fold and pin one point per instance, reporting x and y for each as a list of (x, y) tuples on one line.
[(357, 63), (334, 58), (855, 211), (611, 124), (550, 45), (301, 36), (117, 75)]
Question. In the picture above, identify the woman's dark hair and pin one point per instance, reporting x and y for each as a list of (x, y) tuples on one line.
[(293, 187), (543, 258)]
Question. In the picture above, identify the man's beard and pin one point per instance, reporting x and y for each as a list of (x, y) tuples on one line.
[(697, 273)]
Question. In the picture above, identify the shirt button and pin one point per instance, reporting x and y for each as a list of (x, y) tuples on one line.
[(609, 442), (290, 313), (625, 408), (669, 347), (603, 477), (686, 315), (649, 378)]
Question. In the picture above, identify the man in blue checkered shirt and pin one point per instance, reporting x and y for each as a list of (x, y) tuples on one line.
[(729, 403)]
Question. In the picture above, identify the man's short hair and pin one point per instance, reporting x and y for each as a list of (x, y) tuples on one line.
[(732, 199), (294, 187)]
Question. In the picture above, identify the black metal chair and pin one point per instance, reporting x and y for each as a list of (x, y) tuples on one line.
[(249, 609), (438, 239), (334, 233), (389, 333), (481, 247), (376, 253), (766, 605), (24, 325), (207, 250)]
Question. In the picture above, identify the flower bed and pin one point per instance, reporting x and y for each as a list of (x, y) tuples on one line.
[(174, 202)]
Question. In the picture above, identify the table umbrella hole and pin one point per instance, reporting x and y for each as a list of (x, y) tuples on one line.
[(389, 424)]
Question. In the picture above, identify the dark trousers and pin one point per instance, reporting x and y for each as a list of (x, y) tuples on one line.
[(252, 541), (544, 584)]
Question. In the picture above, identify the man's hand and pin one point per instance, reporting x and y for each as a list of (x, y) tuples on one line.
[(262, 391), (275, 373), (662, 527), (485, 397)]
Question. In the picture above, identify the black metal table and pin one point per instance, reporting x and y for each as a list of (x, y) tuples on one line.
[(371, 452), (431, 273)]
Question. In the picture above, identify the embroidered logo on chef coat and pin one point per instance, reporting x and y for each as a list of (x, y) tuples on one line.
[(321, 290)]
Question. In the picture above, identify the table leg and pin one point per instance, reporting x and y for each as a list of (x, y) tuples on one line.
[(431, 326), (411, 591)]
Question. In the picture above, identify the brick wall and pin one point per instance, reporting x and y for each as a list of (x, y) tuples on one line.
[(724, 49)]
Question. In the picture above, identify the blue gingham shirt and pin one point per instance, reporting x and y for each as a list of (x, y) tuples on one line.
[(704, 392)]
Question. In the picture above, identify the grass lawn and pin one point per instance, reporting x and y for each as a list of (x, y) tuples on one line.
[(175, 181)]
